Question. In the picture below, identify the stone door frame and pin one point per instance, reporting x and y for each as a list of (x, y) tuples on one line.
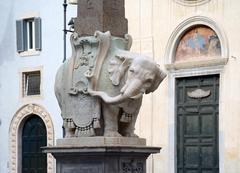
[(191, 69), (172, 134), (15, 133), (195, 136)]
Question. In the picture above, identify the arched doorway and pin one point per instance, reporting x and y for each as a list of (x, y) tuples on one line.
[(19, 120), (34, 136)]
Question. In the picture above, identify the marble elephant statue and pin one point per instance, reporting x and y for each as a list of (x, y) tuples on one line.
[(133, 75), (99, 88)]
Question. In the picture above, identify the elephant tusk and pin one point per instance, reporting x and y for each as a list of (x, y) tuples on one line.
[(137, 96)]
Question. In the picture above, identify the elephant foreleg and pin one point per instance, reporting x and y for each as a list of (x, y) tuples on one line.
[(110, 115), (129, 127), (129, 117)]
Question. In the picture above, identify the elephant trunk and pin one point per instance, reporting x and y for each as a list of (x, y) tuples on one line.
[(132, 90), (108, 99)]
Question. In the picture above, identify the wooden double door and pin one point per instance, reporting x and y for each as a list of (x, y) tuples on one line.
[(197, 100)]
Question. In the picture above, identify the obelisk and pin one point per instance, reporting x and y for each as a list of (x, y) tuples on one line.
[(101, 15)]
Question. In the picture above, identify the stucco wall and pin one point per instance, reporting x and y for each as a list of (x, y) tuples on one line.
[(11, 64), (151, 23)]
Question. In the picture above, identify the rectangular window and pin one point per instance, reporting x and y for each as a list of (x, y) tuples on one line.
[(28, 33), (31, 83)]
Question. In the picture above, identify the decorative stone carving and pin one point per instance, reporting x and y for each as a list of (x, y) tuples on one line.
[(99, 89), (15, 127), (199, 93), (129, 166)]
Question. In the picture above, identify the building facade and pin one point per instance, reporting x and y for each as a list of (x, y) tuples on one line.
[(31, 46), (193, 115)]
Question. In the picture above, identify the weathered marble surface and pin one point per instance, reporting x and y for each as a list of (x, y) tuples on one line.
[(100, 88)]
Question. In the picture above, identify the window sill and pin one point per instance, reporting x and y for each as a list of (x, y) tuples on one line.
[(196, 64), (191, 3), (29, 53), (31, 98), (73, 2)]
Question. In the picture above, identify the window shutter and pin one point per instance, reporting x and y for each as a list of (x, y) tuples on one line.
[(20, 35), (38, 33)]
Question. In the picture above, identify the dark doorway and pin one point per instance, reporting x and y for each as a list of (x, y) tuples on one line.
[(34, 136), (197, 100)]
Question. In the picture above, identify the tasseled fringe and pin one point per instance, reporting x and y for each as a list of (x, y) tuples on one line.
[(72, 125), (84, 131), (68, 123), (96, 123), (126, 118), (76, 132)]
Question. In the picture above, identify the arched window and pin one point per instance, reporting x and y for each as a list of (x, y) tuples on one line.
[(198, 43), (197, 38), (34, 137)]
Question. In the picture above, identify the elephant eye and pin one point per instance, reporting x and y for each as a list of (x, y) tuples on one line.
[(149, 80), (131, 70)]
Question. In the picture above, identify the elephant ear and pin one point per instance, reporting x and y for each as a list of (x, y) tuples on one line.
[(160, 75), (117, 69)]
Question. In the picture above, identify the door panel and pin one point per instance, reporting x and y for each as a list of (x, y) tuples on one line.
[(33, 138), (197, 124)]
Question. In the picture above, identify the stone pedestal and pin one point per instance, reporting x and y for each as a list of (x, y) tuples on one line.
[(101, 155)]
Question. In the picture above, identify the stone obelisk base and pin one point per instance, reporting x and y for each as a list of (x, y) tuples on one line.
[(122, 156)]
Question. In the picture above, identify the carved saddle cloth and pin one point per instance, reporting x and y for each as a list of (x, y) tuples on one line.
[(84, 109)]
